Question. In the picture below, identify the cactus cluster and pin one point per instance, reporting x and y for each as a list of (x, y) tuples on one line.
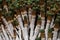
[(29, 19)]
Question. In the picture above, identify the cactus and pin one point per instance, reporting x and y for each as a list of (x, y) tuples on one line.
[(49, 30), (42, 31), (30, 17), (0, 1), (15, 23)]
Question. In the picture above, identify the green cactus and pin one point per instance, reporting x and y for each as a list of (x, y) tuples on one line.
[(49, 30), (42, 9), (36, 7), (9, 14), (38, 38), (0, 1), (25, 17), (29, 2), (54, 7), (58, 0), (15, 22), (8, 1), (57, 20), (42, 31), (58, 17), (39, 18), (50, 14), (11, 6), (17, 6)]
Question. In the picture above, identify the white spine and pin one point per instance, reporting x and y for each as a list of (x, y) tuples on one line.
[(36, 31), (4, 20), (20, 21), (5, 7), (0, 37), (10, 37), (21, 25), (58, 39), (30, 10), (19, 32), (55, 35), (49, 39), (17, 37), (42, 38), (51, 25), (7, 25), (26, 33), (3, 37), (46, 30), (24, 14), (39, 35), (32, 28), (43, 23), (11, 29), (5, 34)]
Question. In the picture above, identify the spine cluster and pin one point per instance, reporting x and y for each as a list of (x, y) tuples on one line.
[(29, 19)]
